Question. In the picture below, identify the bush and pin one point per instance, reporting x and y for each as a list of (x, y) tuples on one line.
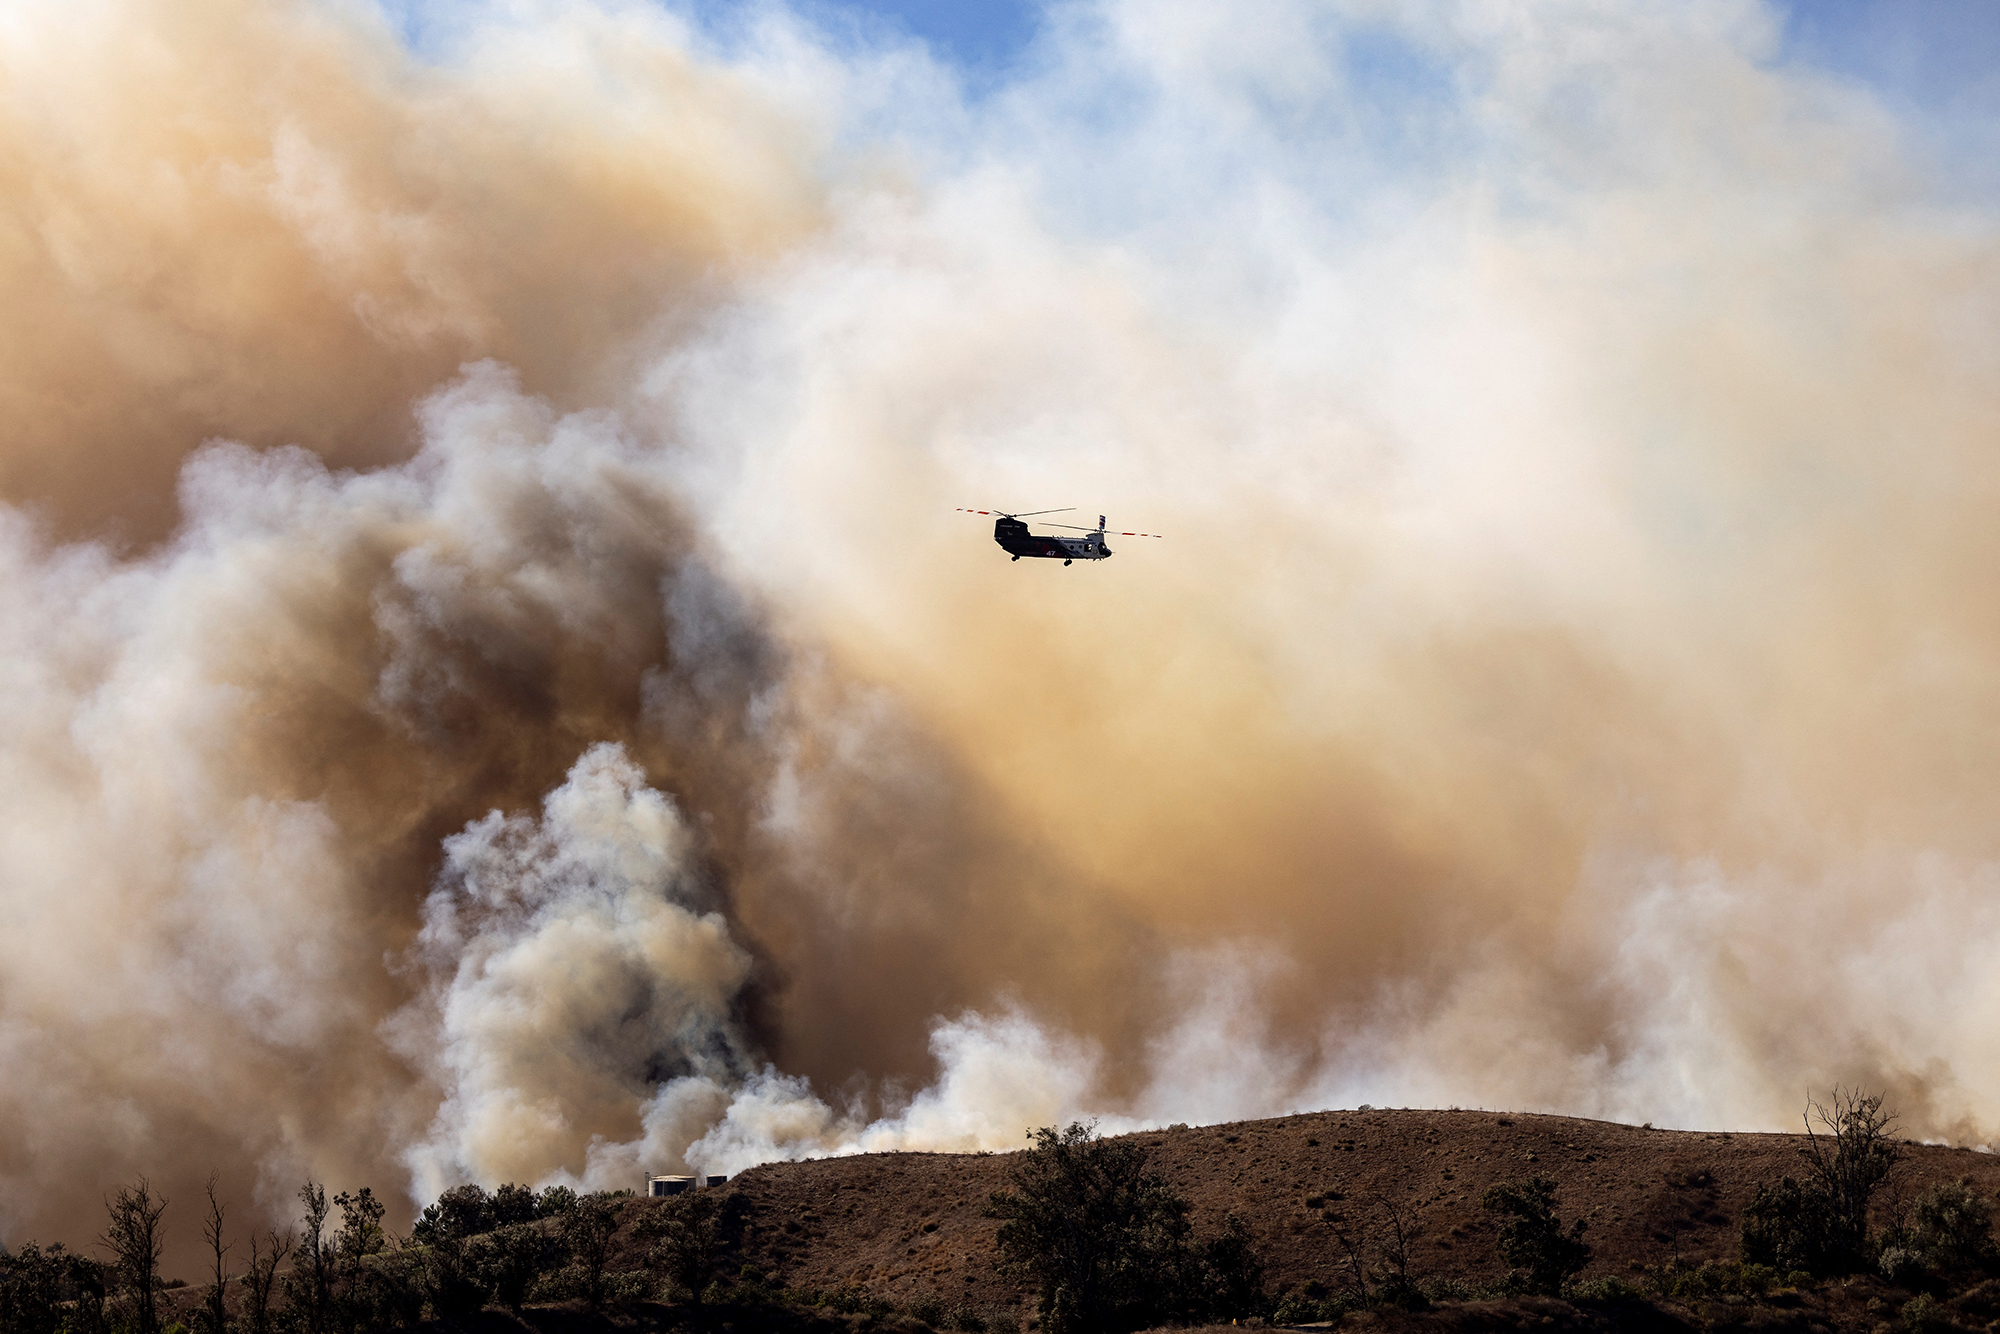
[(1109, 1244), (1789, 1226), (1717, 1278), (1924, 1314), (1951, 1227), (1532, 1239), (1608, 1289)]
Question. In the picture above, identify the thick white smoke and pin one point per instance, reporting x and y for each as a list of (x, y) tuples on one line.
[(572, 965)]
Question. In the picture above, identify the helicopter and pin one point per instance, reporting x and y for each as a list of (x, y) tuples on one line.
[(1015, 539)]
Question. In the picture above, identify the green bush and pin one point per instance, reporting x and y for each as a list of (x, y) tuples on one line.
[(1925, 1314), (1611, 1288), (1790, 1226), (1296, 1309), (1109, 1243), (1952, 1227), (1717, 1278), (1532, 1239)]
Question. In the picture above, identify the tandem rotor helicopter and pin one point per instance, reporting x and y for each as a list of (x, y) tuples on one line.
[(1015, 539)]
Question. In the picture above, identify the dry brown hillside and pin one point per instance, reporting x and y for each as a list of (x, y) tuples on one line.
[(908, 1226), (897, 1223)]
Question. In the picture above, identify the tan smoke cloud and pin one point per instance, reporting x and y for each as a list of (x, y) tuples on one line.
[(269, 223), (558, 728)]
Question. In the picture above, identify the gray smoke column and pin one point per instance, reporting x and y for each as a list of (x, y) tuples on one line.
[(495, 687)]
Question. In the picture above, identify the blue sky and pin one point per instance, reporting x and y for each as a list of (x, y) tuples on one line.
[(1935, 54), (982, 35)]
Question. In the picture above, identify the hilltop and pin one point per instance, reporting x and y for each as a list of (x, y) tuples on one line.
[(892, 1241), (898, 1223)]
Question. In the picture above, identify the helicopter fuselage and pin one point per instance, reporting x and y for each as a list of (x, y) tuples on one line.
[(1015, 539)]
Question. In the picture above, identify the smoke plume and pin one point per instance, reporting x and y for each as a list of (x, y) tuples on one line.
[(496, 687)]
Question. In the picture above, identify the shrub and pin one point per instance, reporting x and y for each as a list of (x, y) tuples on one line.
[(1952, 1227), (927, 1308), (1924, 1314), (1789, 1226), (1716, 1278), (1611, 1288), (1532, 1239)]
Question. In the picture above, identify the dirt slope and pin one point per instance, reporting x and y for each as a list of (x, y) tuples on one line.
[(901, 1223)]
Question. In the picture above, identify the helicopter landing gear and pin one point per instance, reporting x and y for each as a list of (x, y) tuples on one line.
[(1065, 562), (1017, 558)]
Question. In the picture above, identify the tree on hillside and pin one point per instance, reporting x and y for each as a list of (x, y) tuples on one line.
[(462, 1211), (1109, 1243), (1820, 1224), (310, 1286), (1846, 1163), (215, 1311), (134, 1239), (1532, 1239), (262, 1276), (686, 1232), (360, 1228), (32, 1289), (512, 1204), (87, 1279), (586, 1232)]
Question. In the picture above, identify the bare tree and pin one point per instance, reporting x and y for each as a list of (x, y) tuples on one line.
[(1847, 1159), (263, 1276), (1405, 1226), (217, 1311), (134, 1239), (1354, 1245)]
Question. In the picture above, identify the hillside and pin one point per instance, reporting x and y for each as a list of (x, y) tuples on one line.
[(899, 1223), (905, 1234)]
